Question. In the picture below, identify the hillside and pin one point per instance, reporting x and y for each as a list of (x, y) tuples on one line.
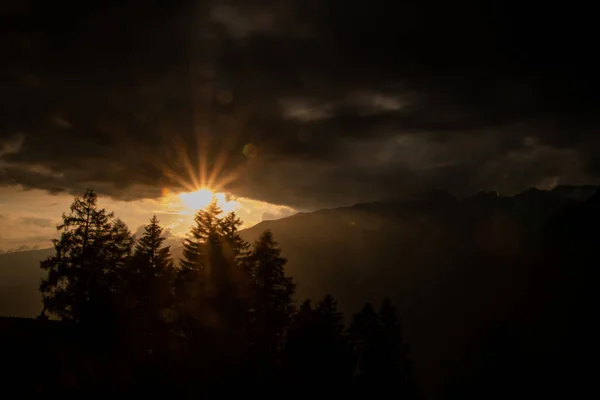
[(454, 267)]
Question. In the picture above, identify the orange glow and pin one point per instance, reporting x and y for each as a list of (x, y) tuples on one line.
[(198, 199)]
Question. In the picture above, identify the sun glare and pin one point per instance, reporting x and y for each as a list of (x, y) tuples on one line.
[(198, 199)]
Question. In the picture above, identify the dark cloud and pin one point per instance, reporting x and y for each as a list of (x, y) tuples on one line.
[(338, 101)]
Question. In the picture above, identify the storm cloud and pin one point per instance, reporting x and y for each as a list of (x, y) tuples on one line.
[(298, 102)]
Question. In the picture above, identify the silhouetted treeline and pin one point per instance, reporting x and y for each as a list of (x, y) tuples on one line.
[(224, 316)]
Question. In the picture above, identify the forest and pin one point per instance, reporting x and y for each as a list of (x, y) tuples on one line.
[(225, 315)]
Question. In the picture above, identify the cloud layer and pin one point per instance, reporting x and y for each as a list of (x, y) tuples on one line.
[(298, 102)]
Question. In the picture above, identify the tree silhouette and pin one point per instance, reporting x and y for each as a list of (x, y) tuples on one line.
[(192, 285), (364, 333), (118, 250), (212, 290), (84, 269), (150, 285), (316, 349), (151, 257), (336, 355), (271, 301), (396, 350), (230, 225), (205, 230), (380, 352)]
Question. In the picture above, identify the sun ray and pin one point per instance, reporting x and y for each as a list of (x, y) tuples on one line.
[(169, 173), (188, 165)]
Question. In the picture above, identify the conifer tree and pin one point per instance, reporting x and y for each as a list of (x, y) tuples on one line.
[(236, 280), (365, 333), (192, 282), (396, 351), (239, 247), (328, 312), (152, 269), (117, 252), (316, 349), (272, 293), (151, 257), (212, 309), (205, 230), (84, 269), (151, 285), (300, 345), (380, 351)]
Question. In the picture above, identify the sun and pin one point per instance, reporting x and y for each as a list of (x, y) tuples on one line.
[(198, 199)]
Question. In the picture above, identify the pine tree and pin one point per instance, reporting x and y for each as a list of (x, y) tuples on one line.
[(212, 289), (380, 351), (301, 346), (327, 311), (117, 252), (272, 293), (396, 350), (192, 283), (152, 271), (239, 247), (235, 254), (205, 231), (365, 333), (151, 258), (152, 274), (83, 271), (317, 350)]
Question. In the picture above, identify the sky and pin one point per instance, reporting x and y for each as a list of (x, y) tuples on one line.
[(287, 104), (29, 217)]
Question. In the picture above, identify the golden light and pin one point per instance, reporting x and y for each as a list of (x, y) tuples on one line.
[(201, 198), (225, 204), (198, 199)]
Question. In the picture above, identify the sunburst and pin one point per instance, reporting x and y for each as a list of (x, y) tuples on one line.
[(197, 199)]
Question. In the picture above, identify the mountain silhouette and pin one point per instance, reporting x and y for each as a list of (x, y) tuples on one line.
[(454, 267)]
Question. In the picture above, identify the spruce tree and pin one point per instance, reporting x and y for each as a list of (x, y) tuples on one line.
[(396, 350), (83, 271), (192, 286), (365, 333), (212, 289), (272, 293), (236, 280), (151, 286), (151, 258), (328, 312), (118, 249), (380, 351), (300, 345), (152, 271), (205, 230), (316, 349), (239, 247)]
